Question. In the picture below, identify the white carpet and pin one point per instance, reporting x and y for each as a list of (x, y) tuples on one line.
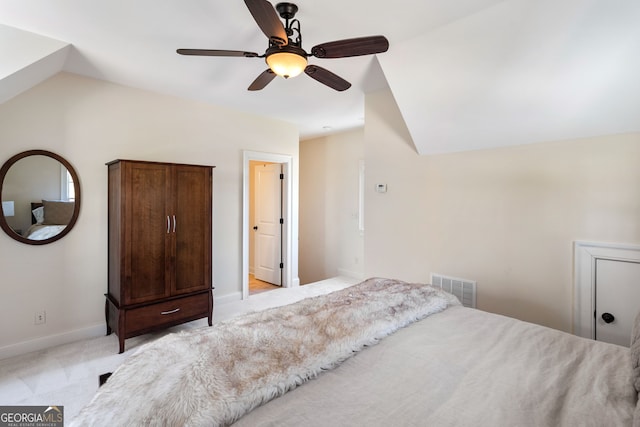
[(67, 375)]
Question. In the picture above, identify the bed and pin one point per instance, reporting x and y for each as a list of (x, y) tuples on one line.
[(49, 218), (379, 353)]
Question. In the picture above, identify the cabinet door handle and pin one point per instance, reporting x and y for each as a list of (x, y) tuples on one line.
[(168, 225), (170, 311), (174, 223)]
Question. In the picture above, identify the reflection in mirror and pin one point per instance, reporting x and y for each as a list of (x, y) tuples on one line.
[(40, 197)]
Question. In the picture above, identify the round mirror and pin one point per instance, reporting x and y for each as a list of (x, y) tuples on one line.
[(40, 195)]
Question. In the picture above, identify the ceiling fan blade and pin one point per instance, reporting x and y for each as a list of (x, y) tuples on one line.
[(351, 47), (267, 19), (326, 77), (262, 80), (216, 52)]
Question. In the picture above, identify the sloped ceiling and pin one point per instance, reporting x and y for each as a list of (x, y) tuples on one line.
[(27, 59), (466, 74), (521, 72)]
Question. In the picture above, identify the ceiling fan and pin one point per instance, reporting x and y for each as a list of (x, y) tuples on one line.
[(285, 55)]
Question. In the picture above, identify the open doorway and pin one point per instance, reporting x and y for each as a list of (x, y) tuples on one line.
[(266, 220), (287, 257)]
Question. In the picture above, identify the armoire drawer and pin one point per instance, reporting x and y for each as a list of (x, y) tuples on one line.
[(167, 312)]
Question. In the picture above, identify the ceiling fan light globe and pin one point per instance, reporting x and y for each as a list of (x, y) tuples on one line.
[(286, 64)]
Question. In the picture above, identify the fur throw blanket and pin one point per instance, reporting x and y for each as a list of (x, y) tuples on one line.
[(213, 376)]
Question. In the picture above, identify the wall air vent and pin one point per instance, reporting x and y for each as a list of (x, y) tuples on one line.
[(464, 289)]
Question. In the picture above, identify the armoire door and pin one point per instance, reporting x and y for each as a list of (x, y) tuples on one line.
[(146, 228), (192, 188)]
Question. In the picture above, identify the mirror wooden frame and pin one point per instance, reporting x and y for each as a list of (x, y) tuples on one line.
[(76, 184)]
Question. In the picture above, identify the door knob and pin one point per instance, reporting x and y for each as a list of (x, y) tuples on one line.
[(608, 317), (255, 227)]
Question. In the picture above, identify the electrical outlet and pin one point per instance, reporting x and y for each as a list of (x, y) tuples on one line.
[(40, 318)]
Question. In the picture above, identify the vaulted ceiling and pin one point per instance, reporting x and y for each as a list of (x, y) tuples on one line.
[(466, 74)]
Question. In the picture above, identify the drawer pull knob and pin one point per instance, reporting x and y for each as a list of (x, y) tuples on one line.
[(170, 312)]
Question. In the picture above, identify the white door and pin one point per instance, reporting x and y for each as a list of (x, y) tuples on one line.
[(267, 227), (617, 300)]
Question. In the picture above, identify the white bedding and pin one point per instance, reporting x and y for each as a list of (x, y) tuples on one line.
[(43, 232), (458, 367), (213, 376), (465, 367)]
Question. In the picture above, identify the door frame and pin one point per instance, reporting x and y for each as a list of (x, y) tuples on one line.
[(584, 271), (289, 231)]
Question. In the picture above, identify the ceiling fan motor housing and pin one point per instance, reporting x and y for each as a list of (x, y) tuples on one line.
[(287, 10)]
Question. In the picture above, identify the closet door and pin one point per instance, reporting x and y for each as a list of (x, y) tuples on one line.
[(147, 230), (617, 286), (192, 186)]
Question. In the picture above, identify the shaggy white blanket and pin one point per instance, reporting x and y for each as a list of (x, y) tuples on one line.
[(213, 376)]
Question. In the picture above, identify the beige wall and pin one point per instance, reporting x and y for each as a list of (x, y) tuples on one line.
[(91, 122), (330, 241), (505, 217)]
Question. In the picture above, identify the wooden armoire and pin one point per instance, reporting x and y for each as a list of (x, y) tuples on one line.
[(159, 235)]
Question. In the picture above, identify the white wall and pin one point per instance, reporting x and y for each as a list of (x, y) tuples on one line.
[(504, 217), (330, 241), (91, 122)]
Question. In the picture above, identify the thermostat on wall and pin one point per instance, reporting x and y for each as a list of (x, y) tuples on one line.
[(381, 188)]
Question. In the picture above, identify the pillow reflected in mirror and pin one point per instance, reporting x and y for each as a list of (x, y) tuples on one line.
[(57, 212), (38, 214)]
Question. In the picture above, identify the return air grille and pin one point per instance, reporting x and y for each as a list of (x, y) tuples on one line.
[(464, 289)]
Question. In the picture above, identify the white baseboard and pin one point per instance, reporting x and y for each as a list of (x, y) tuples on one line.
[(42, 343), (226, 299), (294, 283), (353, 274)]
